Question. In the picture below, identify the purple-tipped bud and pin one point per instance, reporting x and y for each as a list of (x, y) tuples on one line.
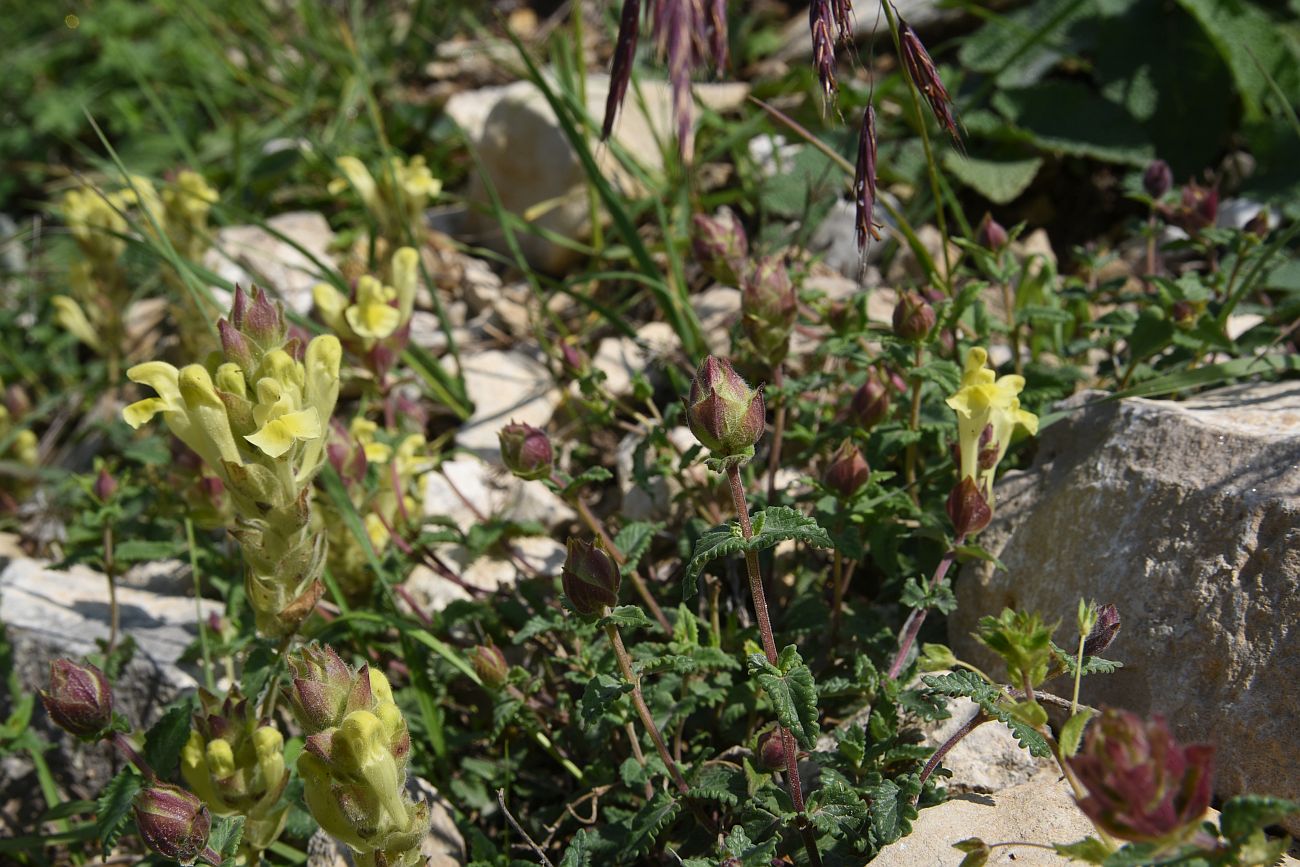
[(1259, 225), (720, 245), (724, 413), (264, 322), (913, 318), (1143, 786), (321, 688), (1103, 631), (848, 472), (992, 234), (870, 403), (105, 486), (173, 822), (574, 361), (1199, 208), (235, 346), (1158, 179), (79, 699), (968, 508), (526, 451), (769, 307), (771, 752), (590, 578), (239, 307), (490, 665), (1184, 314)]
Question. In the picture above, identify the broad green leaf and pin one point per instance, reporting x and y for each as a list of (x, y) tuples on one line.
[(626, 617), (114, 807), (1072, 732), (719, 542), (1245, 813), (163, 742), (999, 181), (1254, 48), (1089, 849), (1069, 118), (634, 540), (837, 810), (725, 784), (772, 525), (644, 827), (892, 808), (602, 690), (790, 686), (225, 835)]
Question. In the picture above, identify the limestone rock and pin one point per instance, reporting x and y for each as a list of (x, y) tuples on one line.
[(988, 759), (1187, 517), (1041, 812), (656, 503), (433, 591), (466, 490), (546, 181), (251, 254), (718, 308), (505, 386)]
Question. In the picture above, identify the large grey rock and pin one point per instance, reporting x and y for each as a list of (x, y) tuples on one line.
[(545, 181), (251, 254), (1187, 517), (1041, 812)]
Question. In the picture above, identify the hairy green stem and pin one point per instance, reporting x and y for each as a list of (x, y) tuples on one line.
[(917, 617), (638, 701)]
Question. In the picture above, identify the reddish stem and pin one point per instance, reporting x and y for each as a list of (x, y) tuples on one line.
[(917, 617)]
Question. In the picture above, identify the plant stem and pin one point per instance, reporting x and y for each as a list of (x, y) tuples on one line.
[(1078, 676), (598, 527), (778, 434), (638, 700), (917, 617), (208, 678), (110, 570), (913, 425), (769, 648), (969, 726), (1013, 327), (125, 747)]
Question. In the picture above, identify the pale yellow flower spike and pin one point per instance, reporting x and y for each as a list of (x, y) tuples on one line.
[(986, 400)]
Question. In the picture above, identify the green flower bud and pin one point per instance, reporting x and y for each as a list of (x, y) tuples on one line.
[(173, 822), (848, 472), (724, 413), (968, 508), (720, 245), (264, 321), (913, 318), (526, 451), (590, 578), (769, 307), (490, 665), (321, 685), (79, 699)]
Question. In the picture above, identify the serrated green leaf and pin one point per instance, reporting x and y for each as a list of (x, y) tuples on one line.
[(225, 835), (580, 851), (963, 683), (1089, 849), (738, 845), (771, 526), (644, 827), (725, 784), (626, 617), (634, 540), (114, 807), (837, 810), (1245, 813), (163, 742), (1072, 732), (790, 686), (892, 808), (999, 181), (602, 691), (719, 542)]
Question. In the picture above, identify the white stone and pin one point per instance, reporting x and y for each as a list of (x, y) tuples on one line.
[(467, 490), (717, 308), (1187, 517), (619, 358), (250, 254), (545, 181), (655, 504), (1041, 813), (433, 591), (505, 386), (988, 759)]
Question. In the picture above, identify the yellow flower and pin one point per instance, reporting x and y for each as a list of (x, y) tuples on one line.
[(986, 401), (373, 317), (69, 314)]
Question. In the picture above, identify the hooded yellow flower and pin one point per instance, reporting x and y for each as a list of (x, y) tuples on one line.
[(986, 401)]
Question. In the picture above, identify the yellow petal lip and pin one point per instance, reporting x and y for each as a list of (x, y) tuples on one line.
[(375, 321), (278, 435), (142, 411)]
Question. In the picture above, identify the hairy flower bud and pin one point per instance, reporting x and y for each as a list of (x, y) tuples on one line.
[(322, 684), (968, 508), (769, 306), (771, 752), (1259, 225), (173, 822), (914, 318), (235, 346), (105, 486), (590, 578), (870, 403), (1199, 208), (264, 321), (720, 245), (1103, 631), (724, 413), (526, 451), (848, 472), (574, 361), (1142, 785), (1157, 179), (490, 665), (79, 699), (992, 234)]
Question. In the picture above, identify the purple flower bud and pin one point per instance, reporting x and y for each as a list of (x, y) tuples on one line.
[(1103, 631), (574, 361), (724, 413), (1143, 786), (590, 578), (321, 687), (870, 403), (769, 306), (1259, 225), (239, 308), (1183, 313), (264, 321), (79, 699), (105, 486), (1198, 209), (526, 451), (1157, 179), (17, 401), (235, 346), (968, 508), (173, 822), (848, 472), (992, 234), (720, 245), (490, 665), (913, 318), (771, 752)]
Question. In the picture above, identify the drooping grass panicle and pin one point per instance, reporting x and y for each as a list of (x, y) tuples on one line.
[(820, 21), (921, 70), (864, 180), (843, 12), (629, 28), (718, 34)]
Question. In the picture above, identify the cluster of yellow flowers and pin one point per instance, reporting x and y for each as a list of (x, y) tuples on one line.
[(988, 412), (377, 310), (258, 418), (396, 199)]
